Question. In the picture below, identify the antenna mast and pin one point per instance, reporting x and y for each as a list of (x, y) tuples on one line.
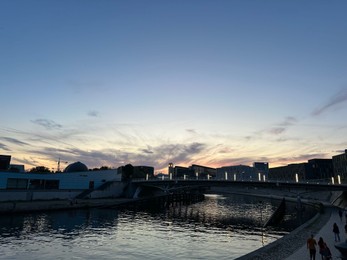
[(59, 165)]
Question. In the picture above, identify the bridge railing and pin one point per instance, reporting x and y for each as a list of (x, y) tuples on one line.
[(210, 178)]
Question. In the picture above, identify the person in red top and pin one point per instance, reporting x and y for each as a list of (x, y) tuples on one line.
[(311, 245)]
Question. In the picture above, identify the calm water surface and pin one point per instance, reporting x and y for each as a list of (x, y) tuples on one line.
[(221, 227)]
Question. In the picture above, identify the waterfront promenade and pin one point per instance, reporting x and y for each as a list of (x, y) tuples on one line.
[(328, 236), (292, 246)]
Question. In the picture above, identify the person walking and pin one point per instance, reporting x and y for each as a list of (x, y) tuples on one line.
[(311, 246), (336, 231), (324, 249)]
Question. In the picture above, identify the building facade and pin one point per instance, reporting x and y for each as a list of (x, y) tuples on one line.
[(340, 165), (237, 172), (289, 172)]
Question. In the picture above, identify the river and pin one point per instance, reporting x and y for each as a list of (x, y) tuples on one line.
[(220, 227)]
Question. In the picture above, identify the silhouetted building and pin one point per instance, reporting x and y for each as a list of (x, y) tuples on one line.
[(202, 171), (314, 169), (320, 169), (171, 169), (237, 172), (76, 167), (143, 172), (179, 172), (5, 162), (340, 165), (288, 173), (129, 172), (262, 168)]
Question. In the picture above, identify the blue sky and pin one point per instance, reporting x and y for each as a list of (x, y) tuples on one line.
[(215, 83)]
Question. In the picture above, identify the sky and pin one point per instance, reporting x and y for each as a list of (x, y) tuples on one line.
[(215, 83)]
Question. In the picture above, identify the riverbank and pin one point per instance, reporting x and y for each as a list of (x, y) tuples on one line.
[(42, 205), (283, 248)]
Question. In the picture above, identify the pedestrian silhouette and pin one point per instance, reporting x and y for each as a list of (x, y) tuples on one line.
[(324, 249), (336, 231), (311, 246)]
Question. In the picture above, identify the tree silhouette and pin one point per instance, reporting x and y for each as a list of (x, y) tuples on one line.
[(39, 169)]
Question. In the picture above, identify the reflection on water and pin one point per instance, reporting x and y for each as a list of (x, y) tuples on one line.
[(219, 227)]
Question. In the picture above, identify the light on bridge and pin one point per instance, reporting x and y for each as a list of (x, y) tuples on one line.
[(147, 177), (338, 179), (184, 177), (264, 178), (234, 176), (332, 180), (226, 176), (296, 177), (259, 176)]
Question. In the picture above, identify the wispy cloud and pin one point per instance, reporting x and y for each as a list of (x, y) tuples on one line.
[(148, 151), (282, 126), (93, 113), (288, 121), (336, 99), (46, 123), (300, 158), (157, 156), (4, 147), (191, 131), (276, 130), (13, 141)]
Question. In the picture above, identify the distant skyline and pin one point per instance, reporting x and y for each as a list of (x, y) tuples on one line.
[(214, 83)]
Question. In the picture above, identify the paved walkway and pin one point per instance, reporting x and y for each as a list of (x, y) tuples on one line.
[(328, 236)]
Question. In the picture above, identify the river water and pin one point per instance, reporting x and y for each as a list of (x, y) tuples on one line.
[(220, 227)]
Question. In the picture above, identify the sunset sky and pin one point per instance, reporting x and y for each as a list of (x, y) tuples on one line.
[(215, 83)]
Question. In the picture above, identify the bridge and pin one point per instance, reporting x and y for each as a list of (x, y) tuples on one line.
[(148, 187)]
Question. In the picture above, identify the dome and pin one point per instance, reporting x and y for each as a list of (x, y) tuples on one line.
[(76, 167)]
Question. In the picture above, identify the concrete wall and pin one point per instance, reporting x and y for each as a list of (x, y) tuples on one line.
[(115, 190), (29, 195)]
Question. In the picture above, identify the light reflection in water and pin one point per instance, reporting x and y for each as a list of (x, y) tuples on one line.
[(223, 227)]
